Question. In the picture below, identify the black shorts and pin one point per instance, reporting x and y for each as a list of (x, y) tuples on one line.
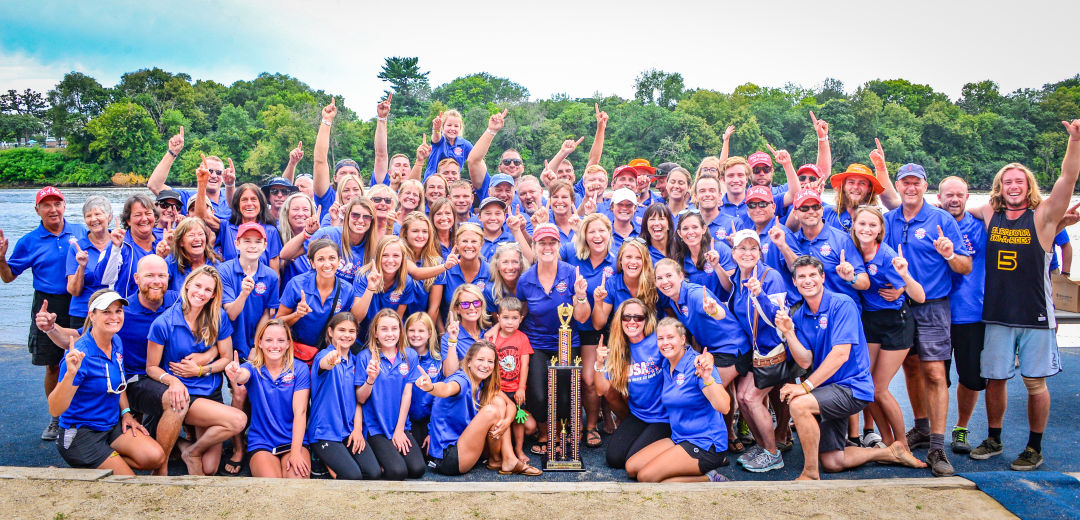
[(43, 352), (893, 329), (967, 342), (592, 337), (448, 465), (214, 396), (836, 404), (707, 460), (85, 448), (76, 322), (145, 395), (742, 362)]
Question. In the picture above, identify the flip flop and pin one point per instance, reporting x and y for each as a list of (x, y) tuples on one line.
[(523, 468), (592, 438)]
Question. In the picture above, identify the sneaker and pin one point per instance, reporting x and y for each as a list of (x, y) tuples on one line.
[(715, 476), (749, 454), (871, 440), (939, 463), (1028, 460), (848, 443), (765, 461), (960, 441), (987, 449), (52, 431), (917, 439)]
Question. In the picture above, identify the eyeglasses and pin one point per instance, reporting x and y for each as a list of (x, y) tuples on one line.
[(278, 191), (709, 169), (108, 381), (474, 304), (167, 205), (807, 178), (757, 204), (812, 207), (381, 200), (508, 162), (360, 216), (638, 318), (762, 169)]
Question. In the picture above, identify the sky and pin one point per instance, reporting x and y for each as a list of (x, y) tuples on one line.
[(550, 47)]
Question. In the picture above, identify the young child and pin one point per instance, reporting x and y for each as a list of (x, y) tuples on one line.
[(446, 140), (421, 336), (512, 350)]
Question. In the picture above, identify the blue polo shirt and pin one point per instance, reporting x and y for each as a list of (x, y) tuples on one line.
[(264, 297), (464, 341), (127, 264), (306, 330), (717, 336), (137, 321), (487, 249), (333, 399), (295, 267), (692, 416), (604, 207), (617, 239), (176, 278), (541, 324), (389, 298), (272, 404), (882, 276), (459, 151), (45, 254), (917, 237), (707, 275), (618, 292), (226, 242), (826, 246), (383, 406), (93, 406), (836, 323), (644, 382), (454, 278), (91, 282), (221, 206), (730, 212), (420, 406), (451, 415), (171, 331), (966, 299), (772, 257), (592, 274), (742, 305), (348, 268)]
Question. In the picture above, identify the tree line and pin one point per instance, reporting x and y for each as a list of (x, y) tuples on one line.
[(124, 128)]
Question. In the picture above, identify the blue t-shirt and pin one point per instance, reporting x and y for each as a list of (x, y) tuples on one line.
[(459, 151), (383, 406), (91, 282), (348, 268), (692, 416), (716, 336), (644, 383), (451, 415), (45, 253), (882, 276), (170, 330), (272, 404), (333, 399), (94, 404), (742, 305), (917, 238), (966, 300), (306, 330), (541, 325), (264, 297), (826, 246), (836, 323), (136, 329), (226, 242)]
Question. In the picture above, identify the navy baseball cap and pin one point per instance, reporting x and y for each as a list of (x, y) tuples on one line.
[(910, 169)]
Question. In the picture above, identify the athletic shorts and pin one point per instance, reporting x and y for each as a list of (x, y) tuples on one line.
[(214, 396), (741, 362), (145, 395), (836, 404), (43, 352), (933, 321), (448, 465), (85, 448), (707, 460), (893, 329), (967, 341), (592, 337), (1036, 348)]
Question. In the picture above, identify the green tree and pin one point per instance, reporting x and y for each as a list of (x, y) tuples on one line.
[(481, 89), (409, 86), (123, 137), (656, 87)]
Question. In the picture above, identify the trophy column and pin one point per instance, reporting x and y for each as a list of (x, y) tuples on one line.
[(564, 433)]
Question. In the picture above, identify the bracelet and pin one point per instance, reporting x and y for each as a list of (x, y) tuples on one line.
[(490, 132), (949, 259), (209, 370), (233, 185), (709, 381), (852, 280), (715, 315), (377, 118), (583, 299), (807, 388), (822, 139), (124, 411), (327, 122), (161, 378), (200, 371), (597, 367), (175, 155), (1064, 273)]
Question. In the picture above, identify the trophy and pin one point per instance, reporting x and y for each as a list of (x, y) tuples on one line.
[(564, 446)]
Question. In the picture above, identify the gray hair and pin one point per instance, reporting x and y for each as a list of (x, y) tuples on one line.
[(97, 202)]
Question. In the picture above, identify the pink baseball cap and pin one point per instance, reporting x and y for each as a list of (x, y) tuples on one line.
[(250, 226), (809, 169), (805, 196), (624, 170), (761, 193), (759, 158), (546, 231), (47, 191)]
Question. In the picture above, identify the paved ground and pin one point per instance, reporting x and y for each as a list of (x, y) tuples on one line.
[(24, 415)]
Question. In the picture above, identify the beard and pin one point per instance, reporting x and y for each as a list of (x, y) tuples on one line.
[(152, 294)]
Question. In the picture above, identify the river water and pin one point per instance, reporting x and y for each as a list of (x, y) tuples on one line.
[(17, 217)]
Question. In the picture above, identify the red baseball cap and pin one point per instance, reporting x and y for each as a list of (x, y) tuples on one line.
[(759, 158), (761, 193), (47, 191), (810, 169), (624, 170), (805, 196), (545, 231), (250, 226)]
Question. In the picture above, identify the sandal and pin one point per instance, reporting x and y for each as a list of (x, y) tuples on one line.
[(592, 438), (735, 446), (523, 468), (233, 468), (540, 448)]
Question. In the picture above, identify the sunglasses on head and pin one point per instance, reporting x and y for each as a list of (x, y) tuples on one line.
[(762, 169), (807, 178), (508, 162), (381, 200), (638, 318), (757, 204), (812, 207), (474, 304), (167, 205), (689, 211)]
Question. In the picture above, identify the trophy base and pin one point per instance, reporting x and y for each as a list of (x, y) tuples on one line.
[(563, 465)]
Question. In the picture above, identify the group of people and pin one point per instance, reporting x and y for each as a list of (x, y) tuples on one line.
[(406, 323)]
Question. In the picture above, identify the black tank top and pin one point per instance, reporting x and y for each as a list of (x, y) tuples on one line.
[(1018, 290)]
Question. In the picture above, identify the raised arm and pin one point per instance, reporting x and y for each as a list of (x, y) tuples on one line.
[(889, 198), (382, 156), (321, 171), (725, 148), (565, 150), (475, 161), (422, 153), (597, 149), (1053, 207), (784, 158), (824, 151), (156, 182), (202, 177), (295, 156)]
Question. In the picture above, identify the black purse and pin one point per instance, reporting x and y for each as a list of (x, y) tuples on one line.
[(776, 367)]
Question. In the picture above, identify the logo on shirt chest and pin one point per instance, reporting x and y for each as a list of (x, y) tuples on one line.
[(288, 378), (721, 234), (685, 310), (508, 363), (920, 233), (823, 321), (608, 271), (872, 269), (825, 249), (765, 248), (680, 379), (260, 288), (395, 297), (560, 287), (480, 285), (458, 151), (432, 370), (337, 308), (403, 368), (709, 268)]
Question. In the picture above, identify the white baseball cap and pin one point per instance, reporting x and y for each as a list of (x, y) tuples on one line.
[(744, 234), (105, 300), (623, 195)]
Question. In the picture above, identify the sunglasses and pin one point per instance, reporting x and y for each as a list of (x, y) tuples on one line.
[(508, 162), (812, 207), (360, 216), (807, 178), (381, 200), (689, 211), (108, 382), (167, 205), (638, 318), (762, 169), (474, 304), (278, 191), (217, 172), (757, 204)]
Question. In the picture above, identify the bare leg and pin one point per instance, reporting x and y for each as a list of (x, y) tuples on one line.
[(168, 429), (672, 463), (214, 422), (645, 455), (239, 399), (996, 402), (890, 418), (853, 457), (265, 465), (937, 394), (589, 399), (782, 432), (52, 375), (914, 382), (803, 410), (966, 399), (756, 413)]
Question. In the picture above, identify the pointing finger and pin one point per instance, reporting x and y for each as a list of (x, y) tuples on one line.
[(1072, 209), (231, 164), (389, 97), (45, 306), (236, 357), (503, 115), (842, 260), (939, 232), (181, 131), (771, 149), (582, 138), (203, 159), (878, 143), (813, 118), (900, 250)]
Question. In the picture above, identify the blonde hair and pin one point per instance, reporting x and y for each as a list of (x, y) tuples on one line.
[(581, 244), (447, 114), (618, 361), (646, 286), (257, 359), (373, 327), (429, 255), (498, 285), (711, 159), (881, 220), (419, 187), (402, 276), (484, 322), (284, 226), (997, 199), (468, 227), (433, 338), (341, 185), (387, 192), (346, 231), (736, 161), (209, 318), (490, 387), (183, 261)]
